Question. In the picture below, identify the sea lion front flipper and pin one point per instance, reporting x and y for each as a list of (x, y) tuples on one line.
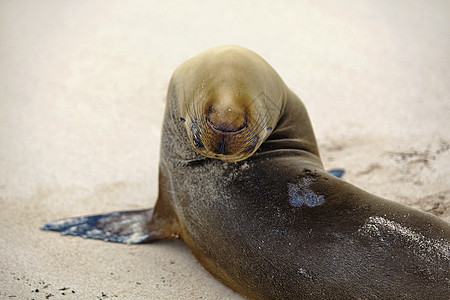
[(336, 172), (130, 227)]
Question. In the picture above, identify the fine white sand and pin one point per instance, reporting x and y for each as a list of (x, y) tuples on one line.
[(82, 93)]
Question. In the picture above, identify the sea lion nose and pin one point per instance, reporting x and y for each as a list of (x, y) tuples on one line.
[(227, 119)]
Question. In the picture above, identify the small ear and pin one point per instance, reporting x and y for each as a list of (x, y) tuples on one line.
[(130, 227), (336, 172)]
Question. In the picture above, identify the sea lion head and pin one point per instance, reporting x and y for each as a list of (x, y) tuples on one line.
[(230, 101)]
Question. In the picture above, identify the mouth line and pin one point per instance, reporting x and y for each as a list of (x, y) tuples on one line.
[(227, 131)]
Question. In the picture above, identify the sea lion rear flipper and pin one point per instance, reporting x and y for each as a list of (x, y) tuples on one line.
[(130, 227), (336, 172)]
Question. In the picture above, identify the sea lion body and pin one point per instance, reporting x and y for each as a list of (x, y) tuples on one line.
[(310, 237), (270, 222)]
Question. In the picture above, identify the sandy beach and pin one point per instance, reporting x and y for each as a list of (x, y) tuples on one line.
[(82, 95)]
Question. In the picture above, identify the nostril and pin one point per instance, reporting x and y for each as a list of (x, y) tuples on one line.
[(222, 148)]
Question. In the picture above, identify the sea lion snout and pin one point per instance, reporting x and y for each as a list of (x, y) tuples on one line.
[(226, 120), (226, 123), (226, 142), (222, 138), (225, 126)]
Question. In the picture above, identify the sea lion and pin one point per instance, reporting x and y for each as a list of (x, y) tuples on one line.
[(242, 184)]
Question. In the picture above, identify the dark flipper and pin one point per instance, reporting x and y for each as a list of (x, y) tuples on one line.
[(336, 172), (130, 227)]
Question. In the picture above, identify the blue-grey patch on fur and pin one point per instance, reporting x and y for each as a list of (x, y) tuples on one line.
[(300, 194)]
